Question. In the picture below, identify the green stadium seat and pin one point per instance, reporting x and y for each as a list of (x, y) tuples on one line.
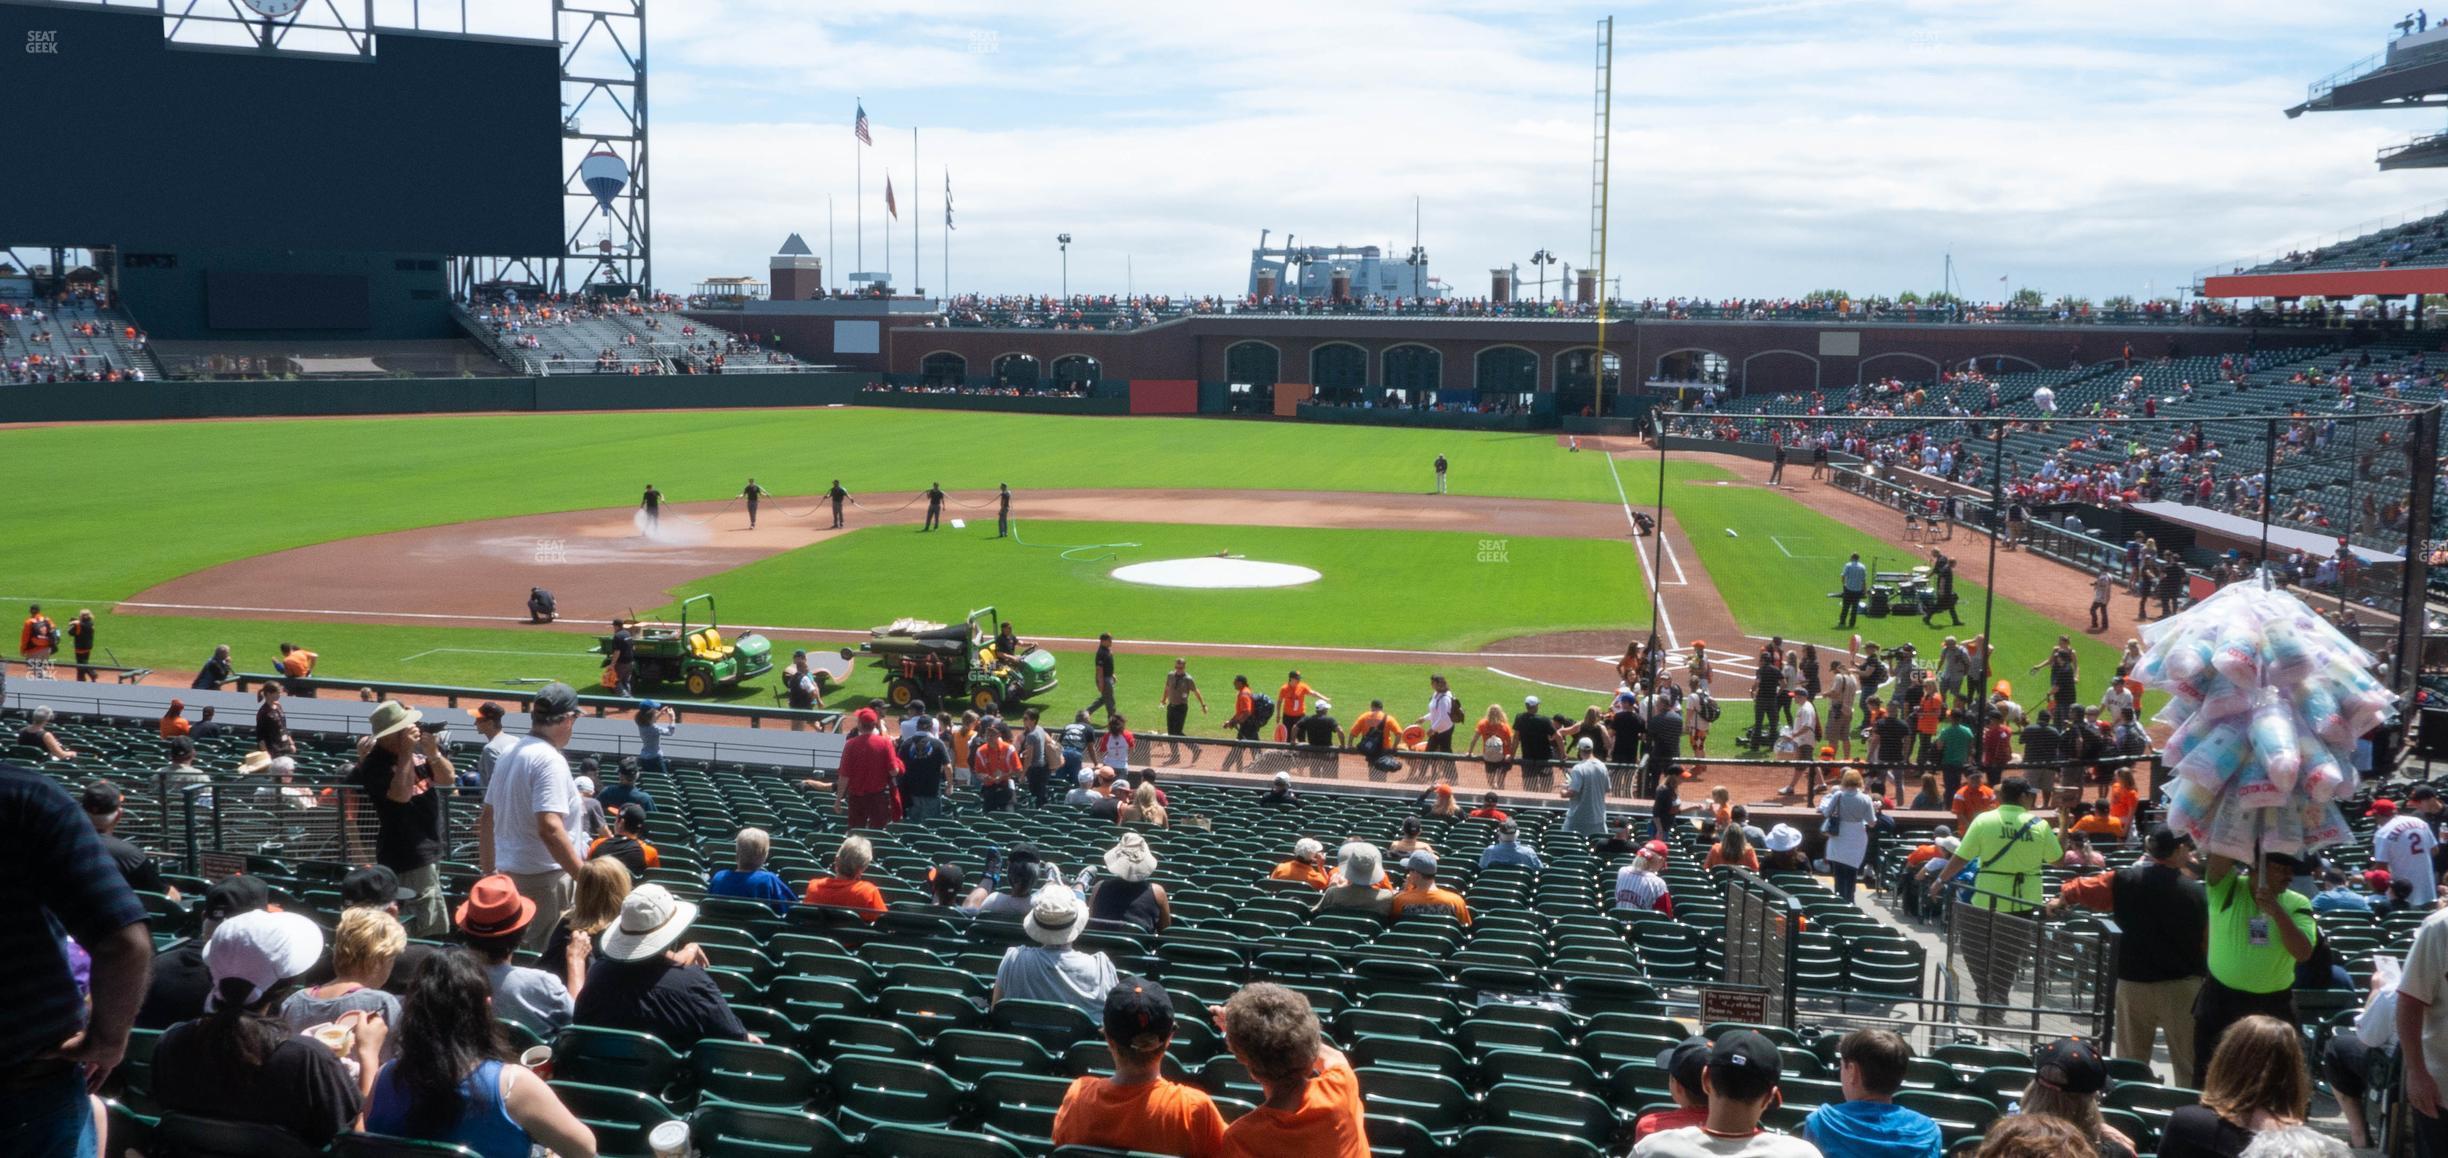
[(620, 1118), (357, 1144), (1055, 1024), (970, 1054), (1435, 1102), (615, 1057), (909, 1141), (873, 1090), (1549, 1109), (753, 1075), (1515, 1142), (1019, 1108)]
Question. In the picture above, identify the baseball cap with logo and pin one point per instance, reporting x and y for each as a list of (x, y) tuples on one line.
[(1421, 861), (264, 949), (2070, 1064), (1138, 1015), (1743, 1065)]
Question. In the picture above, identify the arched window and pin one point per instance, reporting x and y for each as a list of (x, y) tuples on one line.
[(1076, 370), (1413, 369), (1018, 370), (1339, 370), (1507, 370), (1252, 364), (943, 368)]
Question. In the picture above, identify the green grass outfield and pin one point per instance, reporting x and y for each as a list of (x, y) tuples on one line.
[(134, 504), (1776, 569), (1423, 590)]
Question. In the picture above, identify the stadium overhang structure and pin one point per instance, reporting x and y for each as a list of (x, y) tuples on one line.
[(2411, 73), (2429, 151), (2334, 283)]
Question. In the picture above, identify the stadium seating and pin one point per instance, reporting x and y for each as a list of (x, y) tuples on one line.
[(2422, 241), (1537, 1025)]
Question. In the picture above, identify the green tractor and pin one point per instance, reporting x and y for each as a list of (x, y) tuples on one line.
[(695, 656), (958, 664)]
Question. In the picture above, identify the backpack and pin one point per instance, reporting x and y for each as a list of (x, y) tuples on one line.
[(1262, 709), (1708, 707), (1455, 712)]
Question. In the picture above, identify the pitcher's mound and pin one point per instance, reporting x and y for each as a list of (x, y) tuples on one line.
[(1213, 572)]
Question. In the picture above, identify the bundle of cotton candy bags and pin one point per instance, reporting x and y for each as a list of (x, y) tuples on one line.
[(2266, 701)]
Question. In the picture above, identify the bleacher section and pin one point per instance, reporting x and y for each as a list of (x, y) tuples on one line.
[(559, 339), (77, 340), (2341, 478), (2420, 242)]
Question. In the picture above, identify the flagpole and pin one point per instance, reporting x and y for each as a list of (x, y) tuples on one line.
[(832, 249), (888, 227), (947, 235), (860, 212), (916, 265)]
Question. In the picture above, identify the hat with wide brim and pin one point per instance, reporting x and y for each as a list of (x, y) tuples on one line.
[(391, 716), (254, 762), (651, 920), (1131, 859), (1784, 838), (1055, 918)]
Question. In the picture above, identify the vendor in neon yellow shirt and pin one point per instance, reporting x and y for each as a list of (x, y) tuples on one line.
[(2012, 846), (2259, 930)]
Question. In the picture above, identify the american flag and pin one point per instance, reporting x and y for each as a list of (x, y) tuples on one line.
[(948, 200), (859, 128), (889, 207)]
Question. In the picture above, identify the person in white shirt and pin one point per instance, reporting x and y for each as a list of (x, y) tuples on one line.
[(1442, 711), (1804, 732), (2404, 842), (1638, 885), (533, 813)]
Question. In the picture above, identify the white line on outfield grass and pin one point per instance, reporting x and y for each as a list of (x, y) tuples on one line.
[(774, 629), (1550, 683), (488, 651), (1665, 623)]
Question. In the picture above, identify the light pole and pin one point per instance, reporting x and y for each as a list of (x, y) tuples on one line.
[(1542, 259), (1064, 240), (1418, 261)]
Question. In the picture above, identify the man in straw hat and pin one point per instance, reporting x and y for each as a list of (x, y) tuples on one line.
[(1128, 896), (646, 983), (1049, 969), (1138, 1108), (399, 777), (532, 811)]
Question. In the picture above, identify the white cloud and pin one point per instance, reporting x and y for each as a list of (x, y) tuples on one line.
[(2089, 146)]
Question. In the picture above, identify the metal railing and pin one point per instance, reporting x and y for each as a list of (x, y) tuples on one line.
[(755, 714)]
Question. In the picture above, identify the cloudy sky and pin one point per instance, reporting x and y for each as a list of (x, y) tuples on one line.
[(2086, 146)]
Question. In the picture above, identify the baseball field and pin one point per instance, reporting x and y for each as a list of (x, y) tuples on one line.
[(403, 548)]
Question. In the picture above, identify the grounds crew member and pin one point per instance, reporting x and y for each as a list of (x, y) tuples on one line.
[(1002, 509), (1856, 585), (1942, 572), (752, 492), (1180, 687), (1440, 473), (2159, 972), (2012, 846), (652, 503), (1104, 676), (80, 640), (934, 498), (839, 496), (2259, 931)]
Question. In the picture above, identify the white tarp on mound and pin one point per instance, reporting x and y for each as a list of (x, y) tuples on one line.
[(1212, 572)]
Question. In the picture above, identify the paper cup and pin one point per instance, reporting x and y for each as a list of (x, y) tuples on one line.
[(336, 1038), (539, 1059), (669, 1140)]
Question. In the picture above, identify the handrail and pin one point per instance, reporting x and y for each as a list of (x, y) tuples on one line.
[(126, 675), (451, 695)]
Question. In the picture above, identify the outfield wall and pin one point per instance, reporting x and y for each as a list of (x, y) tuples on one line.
[(281, 398)]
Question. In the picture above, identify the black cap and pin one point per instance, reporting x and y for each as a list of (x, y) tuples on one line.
[(372, 887), (2423, 792), (233, 895), (1138, 1015), (182, 748), (552, 702), (633, 817), (2164, 841), (1744, 1066), (101, 798), (2070, 1064), (1683, 1062), (489, 710)]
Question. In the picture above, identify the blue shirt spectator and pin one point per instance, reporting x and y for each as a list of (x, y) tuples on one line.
[(627, 791), (752, 880), (1508, 849)]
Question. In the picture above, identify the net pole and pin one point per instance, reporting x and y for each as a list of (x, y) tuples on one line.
[(2269, 485), (1997, 530)]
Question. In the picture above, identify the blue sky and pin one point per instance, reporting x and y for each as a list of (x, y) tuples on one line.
[(2086, 146)]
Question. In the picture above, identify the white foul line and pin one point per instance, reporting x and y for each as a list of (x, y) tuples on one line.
[(1551, 683), (1665, 622)]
